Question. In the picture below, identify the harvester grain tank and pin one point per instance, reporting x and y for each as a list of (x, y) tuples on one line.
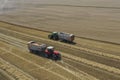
[(44, 50), (62, 36)]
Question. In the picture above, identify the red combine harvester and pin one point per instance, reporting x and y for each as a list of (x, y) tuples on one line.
[(43, 50)]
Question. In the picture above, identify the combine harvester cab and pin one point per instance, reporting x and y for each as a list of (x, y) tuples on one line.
[(43, 50), (62, 36)]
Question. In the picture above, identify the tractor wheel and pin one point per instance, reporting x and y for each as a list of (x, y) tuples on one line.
[(46, 55), (61, 40), (54, 57), (32, 51), (49, 36), (55, 38)]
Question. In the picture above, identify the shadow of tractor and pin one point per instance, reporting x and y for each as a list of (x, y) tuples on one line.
[(44, 55)]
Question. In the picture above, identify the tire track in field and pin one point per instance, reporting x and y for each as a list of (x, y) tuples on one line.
[(93, 64), (78, 45), (84, 49), (40, 67), (72, 72), (5, 76), (101, 59), (15, 72), (92, 70), (37, 37), (46, 31), (77, 74)]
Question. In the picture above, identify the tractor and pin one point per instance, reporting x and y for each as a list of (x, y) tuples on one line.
[(43, 50), (62, 36)]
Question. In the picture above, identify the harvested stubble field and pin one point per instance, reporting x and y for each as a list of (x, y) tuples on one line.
[(89, 59), (87, 18)]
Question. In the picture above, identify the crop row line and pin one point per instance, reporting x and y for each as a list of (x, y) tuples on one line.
[(11, 41), (92, 63), (70, 46), (20, 25), (14, 71)]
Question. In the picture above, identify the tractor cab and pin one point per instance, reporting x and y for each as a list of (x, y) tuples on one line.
[(53, 35), (51, 53), (50, 49), (43, 50)]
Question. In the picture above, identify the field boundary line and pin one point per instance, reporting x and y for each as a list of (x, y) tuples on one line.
[(20, 25)]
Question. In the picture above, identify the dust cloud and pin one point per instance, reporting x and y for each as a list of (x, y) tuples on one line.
[(7, 5)]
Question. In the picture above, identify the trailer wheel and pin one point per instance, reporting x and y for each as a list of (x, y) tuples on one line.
[(31, 51), (49, 36), (61, 40), (55, 37), (46, 55)]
